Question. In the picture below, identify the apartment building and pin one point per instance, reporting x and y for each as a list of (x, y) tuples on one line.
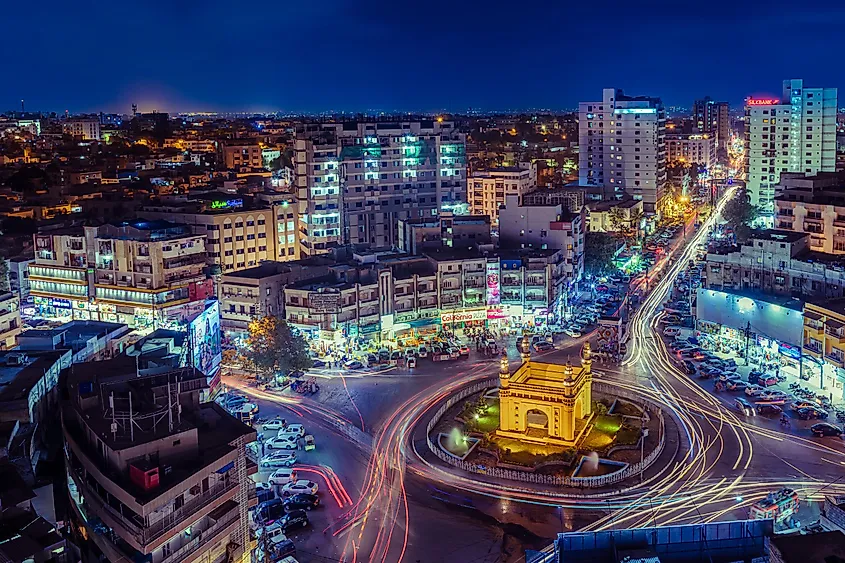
[(622, 147), (813, 205), (824, 343), (240, 233), (87, 129), (710, 116), (629, 212), (487, 190), (778, 262), (10, 320), (547, 227), (241, 154), (153, 473), (259, 291), (140, 273), (796, 133), (696, 148), (417, 235), (356, 180)]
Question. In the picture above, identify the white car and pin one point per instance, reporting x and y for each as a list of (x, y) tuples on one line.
[(285, 442), (262, 486), (422, 352), (754, 390), (279, 459), (284, 476), (299, 487), (274, 532), (672, 331), (274, 424), (296, 429), (573, 332)]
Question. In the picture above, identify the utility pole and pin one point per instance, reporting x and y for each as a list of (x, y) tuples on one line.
[(747, 336)]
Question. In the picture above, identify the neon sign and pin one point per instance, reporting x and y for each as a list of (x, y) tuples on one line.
[(763, 102), (226, 204)]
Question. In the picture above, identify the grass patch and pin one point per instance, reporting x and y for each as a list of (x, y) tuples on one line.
[(608, 423), (627, 436), (597, 440), (487, 422)]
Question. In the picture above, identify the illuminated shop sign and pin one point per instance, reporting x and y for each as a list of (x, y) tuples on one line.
[(763, 102), (227, 204)]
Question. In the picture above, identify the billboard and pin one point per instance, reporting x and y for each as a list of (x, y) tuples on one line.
[(324, 303), (494, 296), (204, 332)]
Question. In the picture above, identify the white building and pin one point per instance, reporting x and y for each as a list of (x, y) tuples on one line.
[(696, 148), (621, 140), (355, 180), (794, 134), (87, 129), (488, 189)]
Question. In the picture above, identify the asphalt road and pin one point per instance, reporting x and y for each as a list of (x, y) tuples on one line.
[(383, 503)]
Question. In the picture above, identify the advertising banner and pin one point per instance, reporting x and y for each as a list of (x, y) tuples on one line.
[(204, 331), (493, 288), (463, 316), (324, 303)]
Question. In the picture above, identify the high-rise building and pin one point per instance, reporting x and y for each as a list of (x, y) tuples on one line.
[(695, 148), (487, 189), (622, 147), (87, 129), (794, 134), (712, 117), (355, 180)]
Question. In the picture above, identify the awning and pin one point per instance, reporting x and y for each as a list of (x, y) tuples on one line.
[(226, 467)]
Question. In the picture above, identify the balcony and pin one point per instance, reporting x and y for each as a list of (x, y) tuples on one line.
[(204, 537), (836, 361), (425, 289), (449, 287), (511, 282), (534, 281)]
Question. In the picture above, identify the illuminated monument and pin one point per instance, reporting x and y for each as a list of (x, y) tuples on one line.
[(544, 403)]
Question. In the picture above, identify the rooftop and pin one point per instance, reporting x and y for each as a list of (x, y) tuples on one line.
[(16, 381), (263, 270), (824, 547), (776, 235), (74, 335), (763, 297), (447, 254)]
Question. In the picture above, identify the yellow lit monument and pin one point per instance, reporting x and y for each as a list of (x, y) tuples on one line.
[(550, 397)]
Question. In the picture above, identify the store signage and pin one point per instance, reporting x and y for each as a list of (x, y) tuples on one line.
[(762, 102), (324, 303), (61, 303), (493, 289), (463, 316), (227, 204)]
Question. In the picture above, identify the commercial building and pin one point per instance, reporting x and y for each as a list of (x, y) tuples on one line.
[(823, 345), (356, 180), (240, 233), (813, 205), (242, 154), (139, 273), (776, 262), (710, 116), (544, 227), (85, 129), (696, 148), (259, 291), (153, 473), (10, 320), (622, 147), (796, 133), (28, 379), (88, 341), (488, 189), (418, 235)]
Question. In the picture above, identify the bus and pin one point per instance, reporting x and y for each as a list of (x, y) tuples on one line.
[(776, 506)]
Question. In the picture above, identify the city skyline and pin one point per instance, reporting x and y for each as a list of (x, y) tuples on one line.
[(467, 57)]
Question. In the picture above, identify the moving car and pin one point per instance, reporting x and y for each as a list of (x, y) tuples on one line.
[(573, 332), (543, 347), (464, 350), (798, 405), (769, 410), (302, 501), (422, 352), (283, 476), (825, 429), (744, 406), (688, 367), (301, 486), (353, 364)]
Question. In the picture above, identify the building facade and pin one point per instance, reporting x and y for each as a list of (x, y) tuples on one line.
[(813, 205), (622, 147), (710, 116), (696, 148), (86, 129), (487, 190), (354, 181), (241, 154), (139, 273), (10, 320), (418, 235), (796, 133)]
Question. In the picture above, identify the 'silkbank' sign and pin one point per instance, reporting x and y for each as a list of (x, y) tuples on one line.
[(762, 102)]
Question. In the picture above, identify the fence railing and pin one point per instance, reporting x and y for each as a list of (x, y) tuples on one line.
[(554, 480)]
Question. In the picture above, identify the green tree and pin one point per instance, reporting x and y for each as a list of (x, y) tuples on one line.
[(5, 287), (273, 348), (739, 214), (599, 250)]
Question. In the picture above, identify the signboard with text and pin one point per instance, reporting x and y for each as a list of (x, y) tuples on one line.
[(324, 303), (464, 316)]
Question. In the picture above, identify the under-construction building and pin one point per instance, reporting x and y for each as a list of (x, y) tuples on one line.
[(153, 473), (356, 180)]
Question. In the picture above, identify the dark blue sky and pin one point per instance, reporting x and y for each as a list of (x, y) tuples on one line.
[(90, 55)]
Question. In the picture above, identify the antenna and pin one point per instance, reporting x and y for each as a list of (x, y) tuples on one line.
[(134, 110), (22, 107)]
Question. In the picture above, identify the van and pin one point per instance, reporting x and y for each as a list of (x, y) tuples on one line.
[(268, 512), (296, 429)]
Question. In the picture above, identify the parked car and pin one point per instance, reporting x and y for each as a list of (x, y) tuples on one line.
[(284, 442), (300, 486), (753, 390), (302, 501), (543, 347), (767, 380), (278, 459), (798, 405), (268, 512), (825, 429), (353, 364), (810, 413), (273, 424), (573, 332), (296, 429), (294, 519), (769, 410), (282, 476), (672, 331)]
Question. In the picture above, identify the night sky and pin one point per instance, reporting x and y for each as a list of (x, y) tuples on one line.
[(431, 55)]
